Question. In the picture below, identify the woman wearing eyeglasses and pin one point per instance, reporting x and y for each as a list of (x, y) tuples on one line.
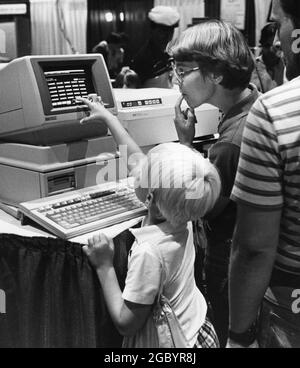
[(213, 64)]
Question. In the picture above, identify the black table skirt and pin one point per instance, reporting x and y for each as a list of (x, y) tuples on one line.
[(53, 296)]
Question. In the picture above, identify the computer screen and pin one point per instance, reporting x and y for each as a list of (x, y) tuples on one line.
[(38, 98), (65, 85)]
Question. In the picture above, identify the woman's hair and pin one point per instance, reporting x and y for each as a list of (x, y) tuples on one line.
[(218, 48), (292, 9), (184, 184)]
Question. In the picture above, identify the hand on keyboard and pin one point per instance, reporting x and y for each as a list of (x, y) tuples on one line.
[(96, 108), (100, 250)]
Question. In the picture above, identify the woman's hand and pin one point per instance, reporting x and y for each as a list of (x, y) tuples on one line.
[(185, 124), (100, 250), (97, 111)]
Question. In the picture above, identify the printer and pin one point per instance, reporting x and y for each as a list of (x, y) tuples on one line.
[(148, 115)]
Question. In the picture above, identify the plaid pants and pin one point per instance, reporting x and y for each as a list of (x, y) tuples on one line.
[(207, 337)]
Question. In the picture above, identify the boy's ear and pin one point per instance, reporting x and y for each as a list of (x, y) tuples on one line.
[(149, 200), (216, 78), (151, 205)]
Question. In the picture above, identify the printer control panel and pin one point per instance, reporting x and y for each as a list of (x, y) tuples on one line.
[(140, 103)]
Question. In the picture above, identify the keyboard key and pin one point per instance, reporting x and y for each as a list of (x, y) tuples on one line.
[(102, 194)]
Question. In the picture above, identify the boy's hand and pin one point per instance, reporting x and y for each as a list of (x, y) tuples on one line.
[(185, 124), (97, 111), (100, 250)]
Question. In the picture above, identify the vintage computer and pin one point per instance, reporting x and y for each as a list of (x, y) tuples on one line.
[(44, 150), (54, 169), (69, 177)]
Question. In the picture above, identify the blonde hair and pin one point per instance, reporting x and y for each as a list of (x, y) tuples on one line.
[(185, 185)]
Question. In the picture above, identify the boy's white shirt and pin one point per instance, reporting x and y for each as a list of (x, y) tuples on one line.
[(144, 273)]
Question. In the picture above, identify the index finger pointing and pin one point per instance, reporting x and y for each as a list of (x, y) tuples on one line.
[(85, 101)]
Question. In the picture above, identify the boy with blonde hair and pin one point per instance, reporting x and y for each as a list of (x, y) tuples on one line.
[(178, 185)]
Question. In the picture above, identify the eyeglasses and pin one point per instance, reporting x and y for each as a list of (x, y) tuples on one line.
[(180, 75)]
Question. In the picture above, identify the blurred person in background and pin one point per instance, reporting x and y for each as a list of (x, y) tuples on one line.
[(113, 52), (269, 71), (127, 78), (152, 61)]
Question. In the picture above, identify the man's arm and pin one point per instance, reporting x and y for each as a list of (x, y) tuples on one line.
[(253, 254)]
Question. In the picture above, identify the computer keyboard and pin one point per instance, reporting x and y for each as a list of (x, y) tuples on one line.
[(81, 211)]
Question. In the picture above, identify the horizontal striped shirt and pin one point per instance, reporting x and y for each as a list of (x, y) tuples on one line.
[(268, 175)]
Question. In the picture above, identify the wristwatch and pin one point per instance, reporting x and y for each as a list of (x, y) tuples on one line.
[(244, 338)]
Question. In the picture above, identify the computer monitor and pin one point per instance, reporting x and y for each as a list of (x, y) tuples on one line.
[(38, 98)]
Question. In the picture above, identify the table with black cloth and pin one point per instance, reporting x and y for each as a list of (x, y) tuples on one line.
[(53, 296)]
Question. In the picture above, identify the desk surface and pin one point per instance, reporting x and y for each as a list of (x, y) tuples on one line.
[(10, 225)]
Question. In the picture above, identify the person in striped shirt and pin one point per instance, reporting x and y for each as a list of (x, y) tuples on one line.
[(265, 260)]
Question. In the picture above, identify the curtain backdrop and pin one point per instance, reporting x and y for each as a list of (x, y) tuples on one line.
[(46, 35), (97, 27), (250, 24), (188, 9), (212, 8), (136, 25), (262, 8), (47, 38)]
